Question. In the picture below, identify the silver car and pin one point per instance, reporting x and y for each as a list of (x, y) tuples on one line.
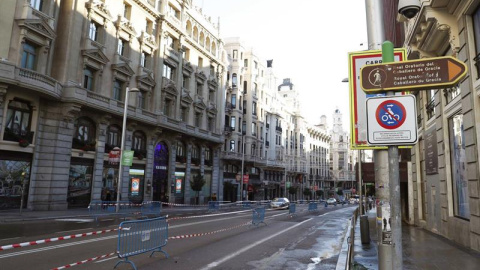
[(280, 203)]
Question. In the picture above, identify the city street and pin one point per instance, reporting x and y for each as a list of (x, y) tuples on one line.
[(218, 240)]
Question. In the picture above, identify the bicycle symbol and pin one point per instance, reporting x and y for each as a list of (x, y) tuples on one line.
[(389, 115)]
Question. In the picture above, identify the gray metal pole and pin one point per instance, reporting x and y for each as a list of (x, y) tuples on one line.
[(122, 145), (243, 162), (376, 36)]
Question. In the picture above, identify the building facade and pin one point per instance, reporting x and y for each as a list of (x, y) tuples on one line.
[(444, 192), (65, 70)]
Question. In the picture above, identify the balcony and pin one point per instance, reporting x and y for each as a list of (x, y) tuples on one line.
[(231, 155), (227, 130), (267, 144), (30, 79), (228, 107), (279, 129), (267, 125)]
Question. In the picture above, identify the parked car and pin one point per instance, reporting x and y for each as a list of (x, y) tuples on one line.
[(280, 203), (332, 201)]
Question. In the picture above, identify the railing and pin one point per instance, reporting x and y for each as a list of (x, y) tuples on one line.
[(279, 129), (101, 98)]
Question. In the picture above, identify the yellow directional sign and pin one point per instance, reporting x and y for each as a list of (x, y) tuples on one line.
[(438, 72)]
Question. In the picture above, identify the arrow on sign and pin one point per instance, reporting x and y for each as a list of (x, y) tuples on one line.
[(412, 75)]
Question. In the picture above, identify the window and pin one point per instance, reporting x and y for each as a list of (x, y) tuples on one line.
[(29, 56), (254, 150), (117, 90), (127, 11), (195, 152), (185, 82), (172, 11), (180, 149), (234, 80), (200, 62), (232, 145), (167, 108), (244, 127), (199, 89), (183, 114), (113, 136), (235, 54), (93, 31), (122, 47), (210, 123), (146, 60), (255, 64), (139, 141), (142, 100), (148, 27), (245, 88), (245, 62), (233, 122), (459, 167), (170, 42), (84, 130), (234, 101), (208, 154), (36, 4), (254, 108), (212, 70), (254, 129), (18, 120), (168, 71), (476, 31), (430, 107), (198, 119), (88, 78)]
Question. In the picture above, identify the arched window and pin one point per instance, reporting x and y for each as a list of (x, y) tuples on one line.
[(114, 137), (189, 28), (195, 33), (84, 137), (234, 80), (214, 49), (139, 144), (208, 156), (207, 44), (202, 39), (180, 152), (19, 117)]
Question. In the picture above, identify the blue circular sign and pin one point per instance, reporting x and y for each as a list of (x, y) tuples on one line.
[(391, 114)]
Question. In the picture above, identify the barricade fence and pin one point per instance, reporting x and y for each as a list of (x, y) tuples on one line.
[(104, 208), (258, 216), (141, 236), (291, 209)]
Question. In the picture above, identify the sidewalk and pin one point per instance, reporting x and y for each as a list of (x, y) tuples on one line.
[(421, 250)]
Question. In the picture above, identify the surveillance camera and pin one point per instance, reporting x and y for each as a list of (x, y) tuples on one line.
[(408, 8)]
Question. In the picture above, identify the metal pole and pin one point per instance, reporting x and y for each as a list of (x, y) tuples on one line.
[(285, 182), (243, 161), (395, 219), (122, 145), (376, 35), (360, 182)]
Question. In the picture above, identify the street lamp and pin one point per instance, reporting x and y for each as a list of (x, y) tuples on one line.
[(122, 145)]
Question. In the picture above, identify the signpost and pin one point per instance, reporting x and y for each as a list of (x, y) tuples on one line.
[(358, 114), (439, 72), (391, 120)]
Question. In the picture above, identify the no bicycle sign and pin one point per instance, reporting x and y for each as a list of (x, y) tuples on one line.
[(391, 120)]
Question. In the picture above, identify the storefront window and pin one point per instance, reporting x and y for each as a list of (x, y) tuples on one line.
[(459, 167), (14, 176), (136, 184), (79, 185), (109, 184), (18, 121)]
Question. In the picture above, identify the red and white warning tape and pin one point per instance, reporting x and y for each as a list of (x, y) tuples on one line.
[(169, 238), (84, 261), (32, 243), (179, 204)]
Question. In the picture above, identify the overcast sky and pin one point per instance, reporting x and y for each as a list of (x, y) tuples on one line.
[(308, 40)]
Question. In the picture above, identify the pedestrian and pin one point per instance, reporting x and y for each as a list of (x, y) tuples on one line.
[(214, 196), (108, 197)]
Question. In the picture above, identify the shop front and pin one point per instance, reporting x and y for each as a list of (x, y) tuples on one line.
[(178, 187), (136, 184), (14, 179), (80, 182), (160, 173)]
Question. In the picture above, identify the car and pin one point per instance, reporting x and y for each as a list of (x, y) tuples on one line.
[(280, 203), (332, 201)]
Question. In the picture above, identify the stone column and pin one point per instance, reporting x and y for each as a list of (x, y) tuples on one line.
[(172, 167), (155, 137), (188, 173), (52, 155), (97, 184), (3, 104), (217, 173)]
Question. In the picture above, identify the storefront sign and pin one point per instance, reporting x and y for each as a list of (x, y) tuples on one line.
[(127, 158), (178, 186), (114, 156), (246, 177), (135, 186)]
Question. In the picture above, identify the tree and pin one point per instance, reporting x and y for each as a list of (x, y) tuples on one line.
[(307, 192), (340, 192), (197, 184), (319, 193), (292, 190)]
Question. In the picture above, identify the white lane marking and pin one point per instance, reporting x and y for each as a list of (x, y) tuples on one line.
[(278, 215), (75, 230), (75, 219), (228, 257), (103, 238)]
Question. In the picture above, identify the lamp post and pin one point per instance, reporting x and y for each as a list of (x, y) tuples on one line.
[(243, 163), (122, 145)]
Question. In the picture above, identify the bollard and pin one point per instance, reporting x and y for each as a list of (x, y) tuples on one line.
[(364, 230)]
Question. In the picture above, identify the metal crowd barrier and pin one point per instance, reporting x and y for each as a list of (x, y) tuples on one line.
[(141, 236), (246, 204), (312, 206), (258, 216), (291, 209), (213, 206)]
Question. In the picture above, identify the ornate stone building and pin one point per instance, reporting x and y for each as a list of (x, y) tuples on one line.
[(65, 68)]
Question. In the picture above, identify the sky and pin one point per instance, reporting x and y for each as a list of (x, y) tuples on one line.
[(308, 40)]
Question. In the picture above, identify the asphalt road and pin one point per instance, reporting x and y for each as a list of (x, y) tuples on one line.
[(224, 240)]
